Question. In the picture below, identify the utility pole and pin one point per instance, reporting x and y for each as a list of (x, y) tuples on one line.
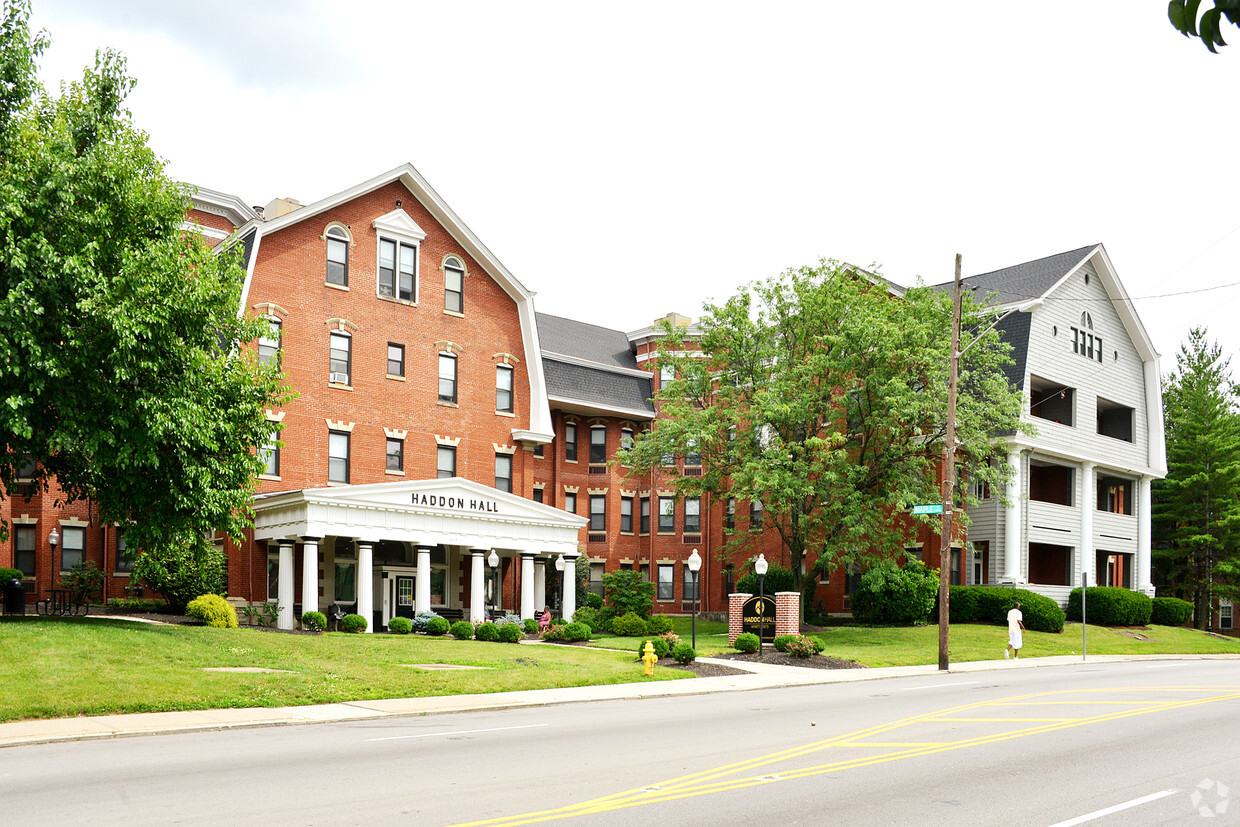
[(949, 475)]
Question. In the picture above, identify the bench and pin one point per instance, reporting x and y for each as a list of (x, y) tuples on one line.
[(450, 615)]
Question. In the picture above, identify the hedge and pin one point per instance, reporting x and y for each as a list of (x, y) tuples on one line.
[(890, 595), (990, 604), (1170, 611), (1110, 606)]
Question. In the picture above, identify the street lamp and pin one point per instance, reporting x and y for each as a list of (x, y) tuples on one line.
[(493, 561), (695, 563), (559, 567), (759, 568), (53, 538)]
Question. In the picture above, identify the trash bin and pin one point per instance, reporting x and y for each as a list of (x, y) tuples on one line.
[(14, 597)]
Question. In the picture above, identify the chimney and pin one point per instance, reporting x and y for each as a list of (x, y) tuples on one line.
[(677, 320), (280, 206)]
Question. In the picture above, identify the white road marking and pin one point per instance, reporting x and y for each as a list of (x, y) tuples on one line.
[(1159, 665), (936, 686), (458, 732), (1096, 814)]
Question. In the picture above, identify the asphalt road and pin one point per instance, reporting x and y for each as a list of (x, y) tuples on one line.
[(1157, 740)]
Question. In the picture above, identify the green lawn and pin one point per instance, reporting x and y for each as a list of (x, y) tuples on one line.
[(58, 667)]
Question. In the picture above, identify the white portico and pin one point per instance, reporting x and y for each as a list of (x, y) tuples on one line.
[(401, 547)]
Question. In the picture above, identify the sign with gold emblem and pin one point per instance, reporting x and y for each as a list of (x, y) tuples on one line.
[(758, 617)]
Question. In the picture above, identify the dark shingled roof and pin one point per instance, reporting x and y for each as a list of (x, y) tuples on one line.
[(597, 387), (609, 348), (1023, 281), (1015, 331)]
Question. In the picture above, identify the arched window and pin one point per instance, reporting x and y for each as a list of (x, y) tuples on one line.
[(337, 256), (453, 285)]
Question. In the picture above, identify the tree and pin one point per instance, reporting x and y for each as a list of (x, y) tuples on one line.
[(823, 396), (1207, 27), (122, 372), (1196, 509)]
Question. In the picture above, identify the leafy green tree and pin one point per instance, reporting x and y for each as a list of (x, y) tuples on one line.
[(1196, 509), (628, 591), (122, 371), (1208, 25), (823, 396), (182, 569)]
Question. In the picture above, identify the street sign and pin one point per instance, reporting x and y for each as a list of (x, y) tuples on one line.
[(931, 508)]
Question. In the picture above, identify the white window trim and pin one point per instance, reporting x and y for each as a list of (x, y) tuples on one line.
[(399, 227)]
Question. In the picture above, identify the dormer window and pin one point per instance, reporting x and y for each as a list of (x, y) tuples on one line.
[(399, 240), (337, 256)]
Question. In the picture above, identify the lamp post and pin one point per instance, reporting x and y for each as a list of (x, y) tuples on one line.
[(493, 562), (559, 598), (695, 564), (759, 568), (53, 540)]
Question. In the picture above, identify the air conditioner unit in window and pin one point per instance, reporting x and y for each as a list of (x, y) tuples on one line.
[(338, 378)]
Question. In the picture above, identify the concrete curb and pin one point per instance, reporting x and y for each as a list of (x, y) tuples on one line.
[(760, 676)]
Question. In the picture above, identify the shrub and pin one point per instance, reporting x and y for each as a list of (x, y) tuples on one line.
[(747, 642), (778, 579), (554, 632), (1170, 611), (595, 618), (314, 621), (486, 631), (891, 595), (213, 610), (510, 620), (437, 626), (1111, 606), (990, 604), (182, 569), (781, 642), (801, 646), (558, 621), (10, 574), (577, 631), (510, 632), (83, 579), (671, 639), (629, 625), (683, 653), (661, 648), (353, 624), (658, 625), (629, 592), (462, 630), (421, 619), (400, 625), (531, 626), (594, 601)]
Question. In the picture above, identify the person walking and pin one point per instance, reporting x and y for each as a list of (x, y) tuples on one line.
[(1016, 625)]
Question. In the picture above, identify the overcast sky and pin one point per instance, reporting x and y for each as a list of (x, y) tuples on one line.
[(625, 160)]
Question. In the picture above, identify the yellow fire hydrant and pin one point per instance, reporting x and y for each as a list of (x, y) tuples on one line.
[(649, 658)]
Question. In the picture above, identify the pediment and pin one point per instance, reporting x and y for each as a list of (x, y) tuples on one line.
[(398, 222)]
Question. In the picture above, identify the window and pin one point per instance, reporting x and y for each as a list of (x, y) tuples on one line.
[(1226, 619), (596, 578), (345, 582), (570, 442), (692, 455), (124, 557), (693, 516), (598, 512), (666, 585), (1084, 342), (690, 585), (570, 503), (271, 458), (503, 472), (447, 377), (445, 461), (337, 257), (503, 388), (396, 360), (626, 438), (341, 358), (540, 450), (395, 455), (598, 444), (72, 548), (755, 515), (269, 344), (645, 519), (337, 456), (453, 286), (956, 573), (667, 515), (538, 495), (729, 519), (398, 265), (626, 515), (667, 373), (273, 576), (23, 549)]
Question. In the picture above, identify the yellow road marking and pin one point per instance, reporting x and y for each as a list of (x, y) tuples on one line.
[(741, 774)]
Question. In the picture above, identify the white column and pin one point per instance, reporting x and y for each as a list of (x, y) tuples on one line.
[(366, 583), (477, 591), (1012, 547), (1144, 537), (540, 584), (285, 619), (570, 586), (309, 574), (1089, 561), (422, 586), (527, 584)]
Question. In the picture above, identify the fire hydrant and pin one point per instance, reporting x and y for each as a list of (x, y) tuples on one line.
[(649, 658)]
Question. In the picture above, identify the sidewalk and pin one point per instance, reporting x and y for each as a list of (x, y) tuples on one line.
[(761, 676)]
